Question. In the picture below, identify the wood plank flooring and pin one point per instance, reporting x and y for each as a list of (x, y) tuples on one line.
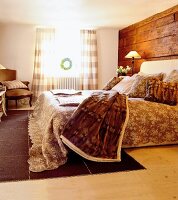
[(158, 182)]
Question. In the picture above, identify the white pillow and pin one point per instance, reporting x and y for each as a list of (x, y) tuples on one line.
[(172, 76), (124, 86), (14, 84)]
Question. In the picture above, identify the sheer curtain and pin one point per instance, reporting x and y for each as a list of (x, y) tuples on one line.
[(47, 73), (45, 63), (89, 60)]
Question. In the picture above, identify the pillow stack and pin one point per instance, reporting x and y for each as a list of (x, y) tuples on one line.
[(135, 86), (151, 87)]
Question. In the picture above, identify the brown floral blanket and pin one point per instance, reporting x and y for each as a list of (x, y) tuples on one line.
[(96, 128)]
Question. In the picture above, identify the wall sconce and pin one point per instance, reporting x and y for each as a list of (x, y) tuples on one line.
[(134, 55)]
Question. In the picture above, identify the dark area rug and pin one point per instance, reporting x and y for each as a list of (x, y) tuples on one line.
[(14, 146)]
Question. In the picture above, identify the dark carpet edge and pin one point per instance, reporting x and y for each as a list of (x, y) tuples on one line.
[(26, 112)]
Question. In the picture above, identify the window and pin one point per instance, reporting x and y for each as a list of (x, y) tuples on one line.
[(68, 46)]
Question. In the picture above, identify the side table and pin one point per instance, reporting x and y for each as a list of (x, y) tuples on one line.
[(2, 103)]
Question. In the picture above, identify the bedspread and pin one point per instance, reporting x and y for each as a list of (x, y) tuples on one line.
[(45, 124), (149, 123)]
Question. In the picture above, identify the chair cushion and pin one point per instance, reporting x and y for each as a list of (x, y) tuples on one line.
[(18, 92), (14, 84)]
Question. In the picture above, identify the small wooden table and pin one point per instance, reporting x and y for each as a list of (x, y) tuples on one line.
[(2, 103)]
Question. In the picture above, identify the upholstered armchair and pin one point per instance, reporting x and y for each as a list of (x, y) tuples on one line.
[(15, 89)]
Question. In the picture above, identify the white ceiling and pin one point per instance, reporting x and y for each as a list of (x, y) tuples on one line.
[(82, 13)]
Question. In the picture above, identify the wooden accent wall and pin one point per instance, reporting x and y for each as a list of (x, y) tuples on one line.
[(155, 38)]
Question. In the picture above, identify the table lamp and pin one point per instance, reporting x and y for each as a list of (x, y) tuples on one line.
[(134, 55)]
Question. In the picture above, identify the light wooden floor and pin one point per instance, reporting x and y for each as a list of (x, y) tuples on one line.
[(158, 182)]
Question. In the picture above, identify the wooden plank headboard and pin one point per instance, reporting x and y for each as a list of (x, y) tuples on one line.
[(154, 38), (7, 75)]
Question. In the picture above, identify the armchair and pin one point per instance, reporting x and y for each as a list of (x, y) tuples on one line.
[(15, 90)]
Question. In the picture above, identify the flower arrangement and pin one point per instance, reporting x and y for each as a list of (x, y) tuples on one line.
[(123, 70)]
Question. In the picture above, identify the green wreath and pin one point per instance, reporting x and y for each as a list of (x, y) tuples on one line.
[(66, 63)]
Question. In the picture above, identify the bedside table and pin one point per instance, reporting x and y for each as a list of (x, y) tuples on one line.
[(2, 103)]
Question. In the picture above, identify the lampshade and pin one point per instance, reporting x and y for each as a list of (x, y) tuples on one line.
[(132, 54), (2, 67)]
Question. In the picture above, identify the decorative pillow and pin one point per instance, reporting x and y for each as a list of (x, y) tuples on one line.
[(172, 77), (111, 83), (14, 84), (162, 92), (124, 86), (138, 89)]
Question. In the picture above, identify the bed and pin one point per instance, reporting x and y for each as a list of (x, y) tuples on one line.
[(146, 123)]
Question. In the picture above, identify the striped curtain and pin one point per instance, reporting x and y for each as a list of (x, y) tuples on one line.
[(45, 63), (89, 62)]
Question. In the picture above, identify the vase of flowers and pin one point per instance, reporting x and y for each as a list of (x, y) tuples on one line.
[(122, 71)]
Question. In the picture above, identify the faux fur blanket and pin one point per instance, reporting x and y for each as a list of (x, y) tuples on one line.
[(96, 128)]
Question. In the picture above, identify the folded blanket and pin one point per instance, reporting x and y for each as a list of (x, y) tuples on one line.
[(96, 128), (65, 92), (73, 100)]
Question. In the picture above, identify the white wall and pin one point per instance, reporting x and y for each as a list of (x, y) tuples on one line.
[(107, 54), (17, 44)]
